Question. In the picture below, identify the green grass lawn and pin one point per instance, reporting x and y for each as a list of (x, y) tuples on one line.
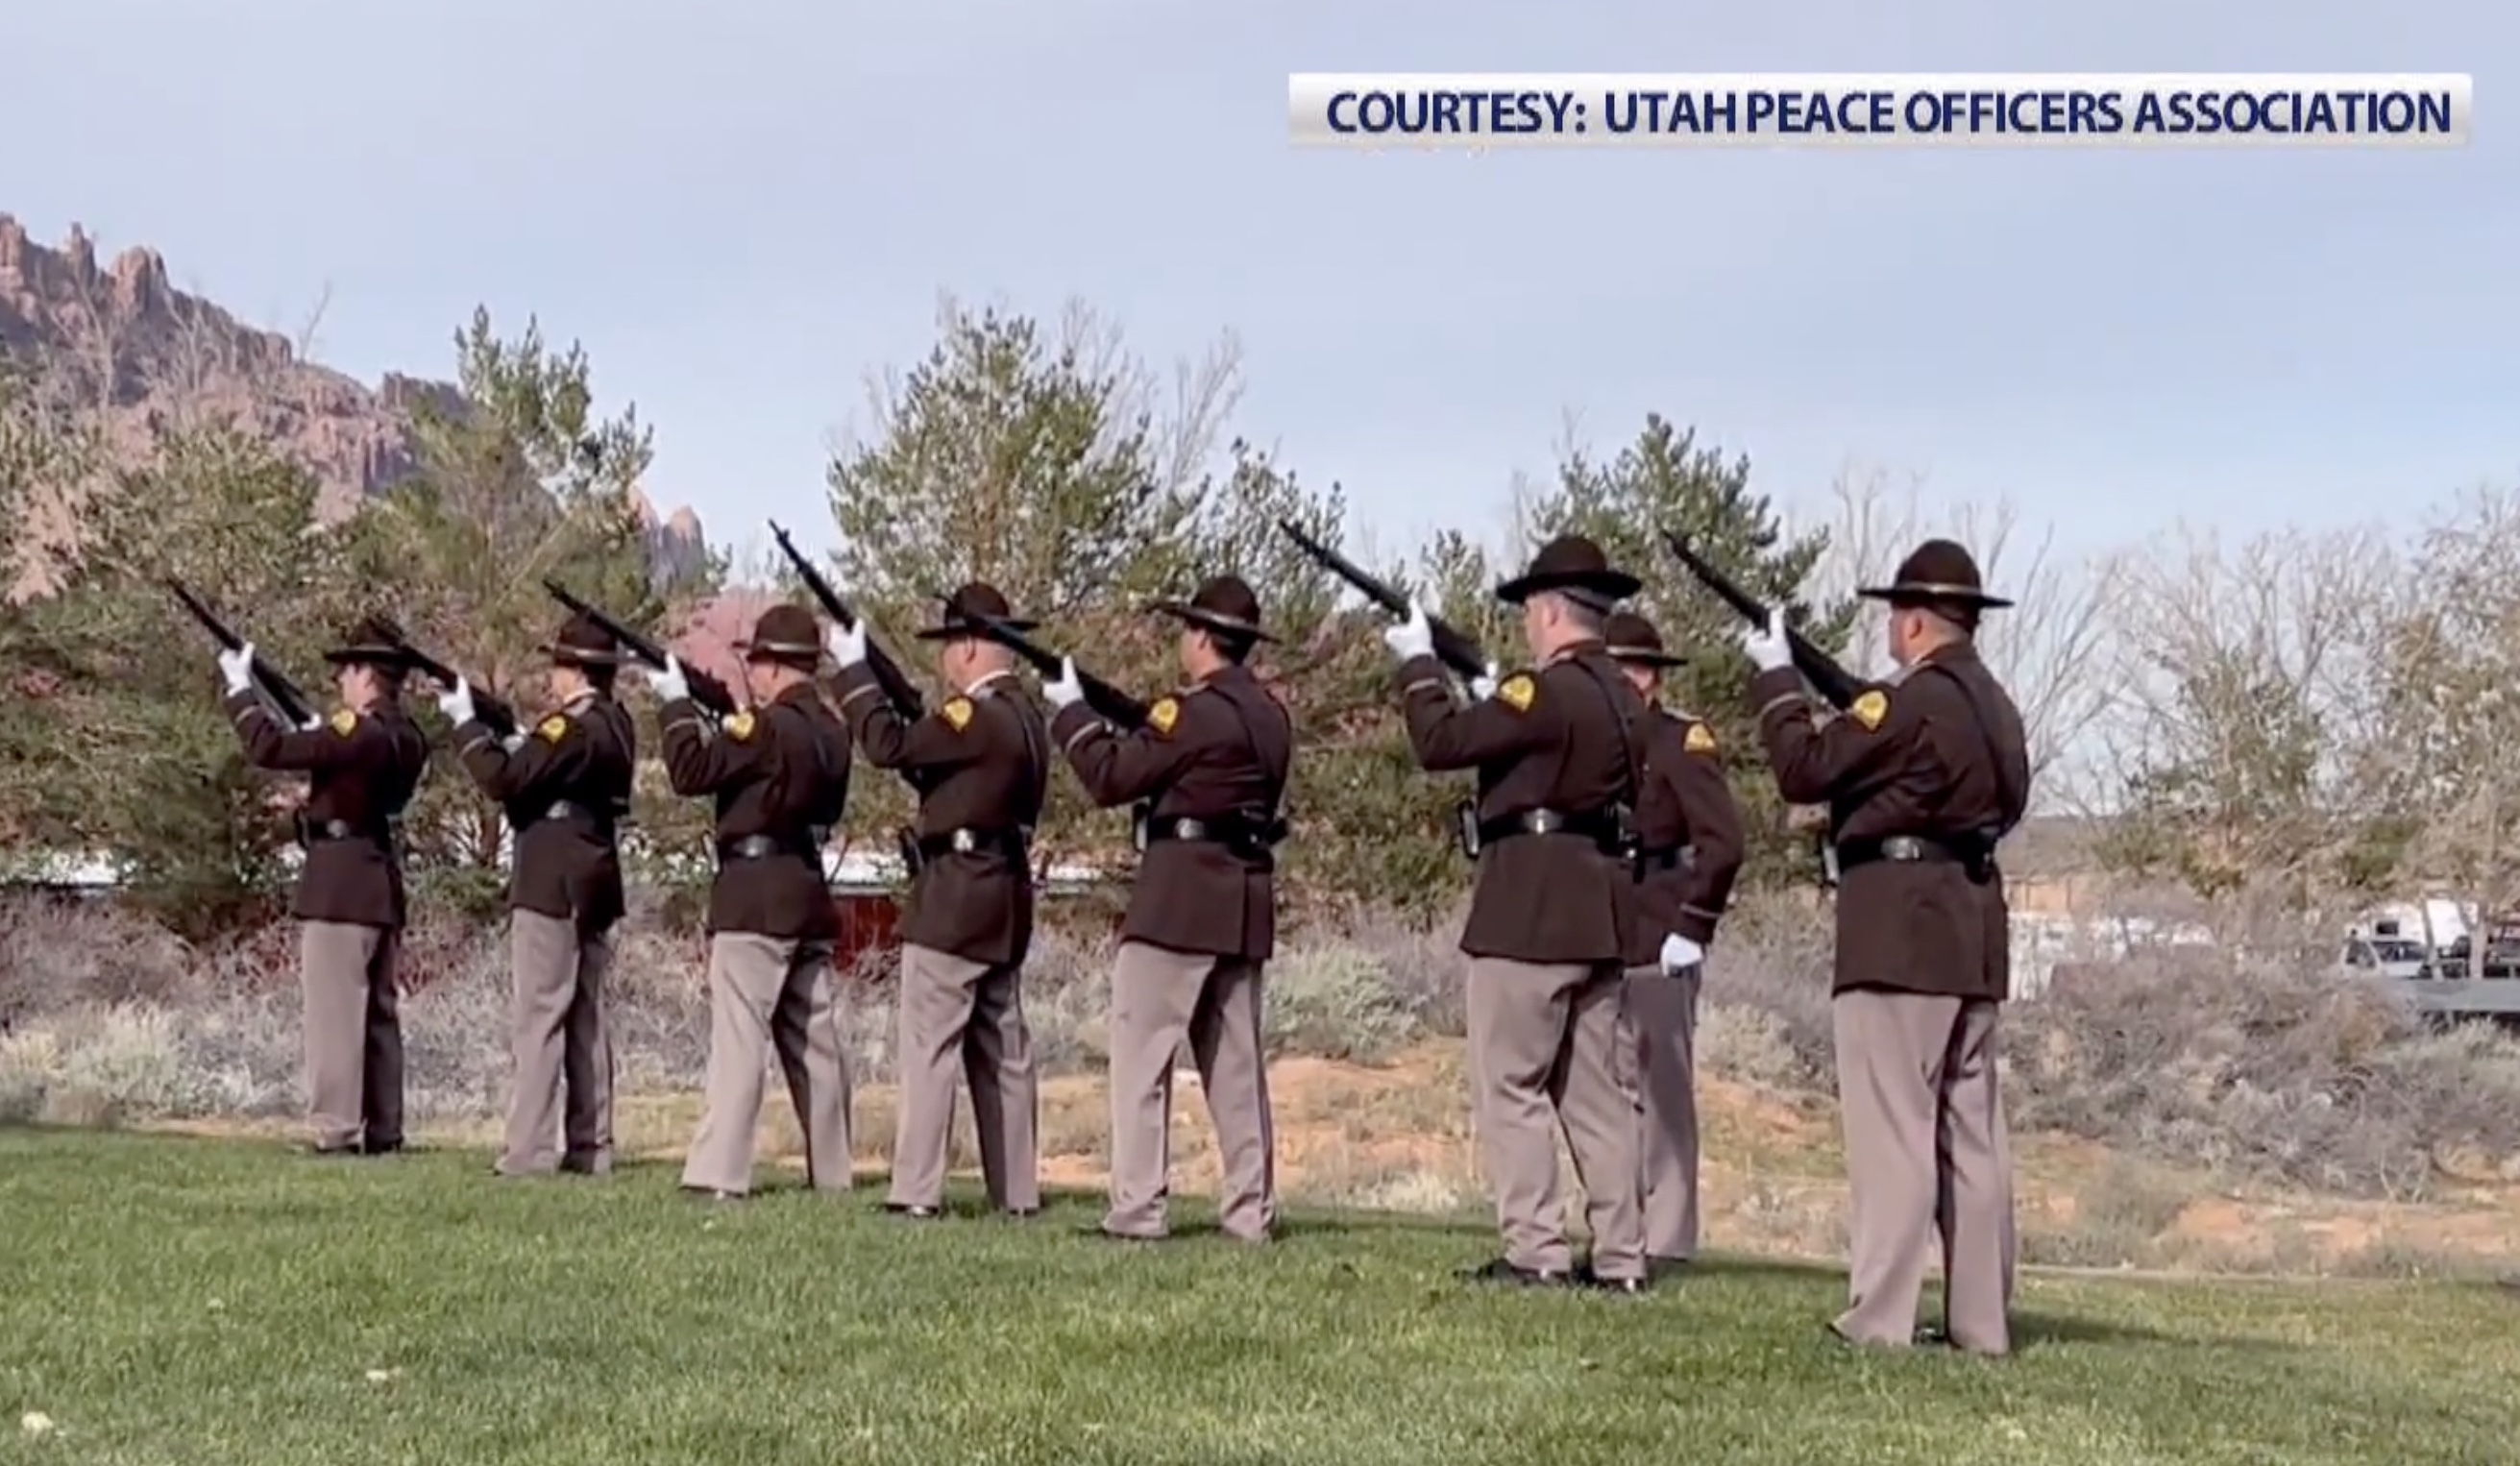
[(177, 1301)]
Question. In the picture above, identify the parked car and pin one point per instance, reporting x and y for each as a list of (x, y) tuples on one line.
[(2389, 957)]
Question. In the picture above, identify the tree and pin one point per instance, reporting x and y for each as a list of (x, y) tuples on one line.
[(2234, 675), (129, 754), (517, 479), (1037, 458), (1664, 481)]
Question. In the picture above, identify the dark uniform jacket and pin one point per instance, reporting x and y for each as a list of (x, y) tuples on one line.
[(1688, 830), (780, 774), (363, 767), (1929, 762), (563, 789), (1556, 740), (1219, 751), (981, 762)]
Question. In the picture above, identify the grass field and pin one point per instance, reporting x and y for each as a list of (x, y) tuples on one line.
[(171, 1300)]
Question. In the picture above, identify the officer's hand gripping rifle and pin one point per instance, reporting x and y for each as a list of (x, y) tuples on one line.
[(1836, 685), (489, 710), (898, 689), (283, 695), (706, 691), (1453, 648), (1115, 706)]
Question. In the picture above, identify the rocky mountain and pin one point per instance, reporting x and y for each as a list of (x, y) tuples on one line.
[(145, 350)]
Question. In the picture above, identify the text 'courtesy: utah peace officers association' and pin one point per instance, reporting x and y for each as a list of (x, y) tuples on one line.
[(1430, 110)]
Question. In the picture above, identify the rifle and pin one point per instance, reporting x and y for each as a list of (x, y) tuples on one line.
[(283, 694), (896, 685), (706, 691), (1835, 685), (491, 711), (1113, 704), (1453, 648)]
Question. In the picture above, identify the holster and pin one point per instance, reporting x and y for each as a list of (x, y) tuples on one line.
[(906, 841)]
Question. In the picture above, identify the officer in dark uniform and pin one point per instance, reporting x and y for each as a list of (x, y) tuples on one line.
[(1208, 771), (1922, 774), (364, 764), (1559, 754), (1690, 845), (779, 771), (563, 787), (980, 761)]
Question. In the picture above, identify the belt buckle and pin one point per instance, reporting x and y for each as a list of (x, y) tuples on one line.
[(1903, 848), (965, 842), (1543, 821)]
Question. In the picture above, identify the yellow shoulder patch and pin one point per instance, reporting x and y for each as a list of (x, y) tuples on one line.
[(956, 713), (1163, 716), (344, 720), (740, 726), (1517, 691), (1698, 739), (1869, 708), (551, 729)]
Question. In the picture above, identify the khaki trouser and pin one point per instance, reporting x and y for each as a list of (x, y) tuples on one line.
[(773, 992), (353, 1025), (1161, 997), (560, 1041), (1926, 1158), (1659, 1014), (1544, 1057), (956, 1009)]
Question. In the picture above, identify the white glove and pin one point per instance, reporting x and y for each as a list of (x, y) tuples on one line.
[(1065, 688), (668, 681), (1409, 637), (1679, 954), (1483, 686), (847, 645), (236, 668), (1766, 646), (456, 702)]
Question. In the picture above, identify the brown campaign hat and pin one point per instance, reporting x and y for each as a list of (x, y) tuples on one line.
[(1225, 605), (374, 641), (785, 634), (1631, 638), (1574, 564), (1938, 572), (962, 608), (581, 641)]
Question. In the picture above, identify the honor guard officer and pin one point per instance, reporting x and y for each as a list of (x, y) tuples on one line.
[(980, 761), (779, 771), (1922, 774), (1688, 843), (364, 763), (1208, 770), (563, 787), (1558, 760)]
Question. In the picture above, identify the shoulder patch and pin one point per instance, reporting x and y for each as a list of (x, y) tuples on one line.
[(740, 726), (551, 729), (956, 713), (1163, 716), (1517, 691), (1869, 708), (344, 721), (1698, 739)]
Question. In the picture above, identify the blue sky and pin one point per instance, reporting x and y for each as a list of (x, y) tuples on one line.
[(742, 207)]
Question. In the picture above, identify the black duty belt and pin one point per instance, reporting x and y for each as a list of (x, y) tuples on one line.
[(1600, 828), (565, 809), (1239, 832), (1978, 856), (972, 840), (313, 833), (764, 847)]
